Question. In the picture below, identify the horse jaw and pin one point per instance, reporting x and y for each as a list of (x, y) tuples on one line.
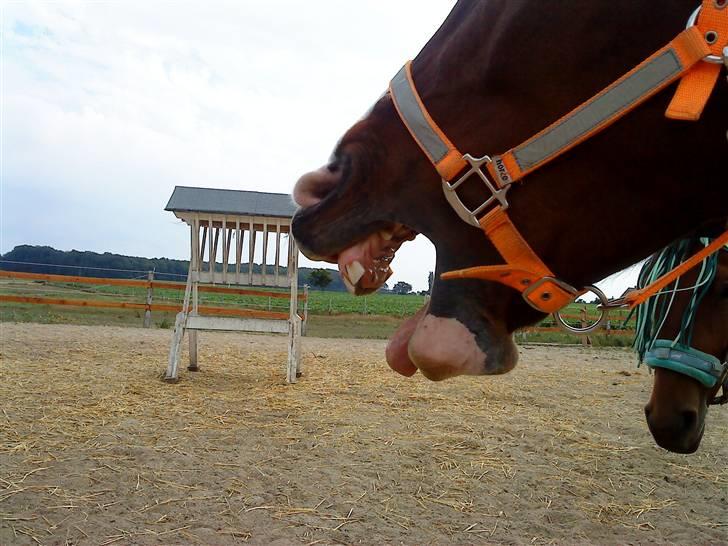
[(677, 422)]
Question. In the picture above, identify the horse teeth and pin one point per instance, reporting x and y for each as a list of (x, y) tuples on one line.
[(355, 271), (349, 286)]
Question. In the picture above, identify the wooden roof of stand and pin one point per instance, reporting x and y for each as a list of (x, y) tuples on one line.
[(232, 202)]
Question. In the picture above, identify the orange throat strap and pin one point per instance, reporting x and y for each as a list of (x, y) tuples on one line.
[(681, 59)]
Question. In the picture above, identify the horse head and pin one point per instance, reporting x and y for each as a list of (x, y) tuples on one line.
[(493, 75), (680, 396)]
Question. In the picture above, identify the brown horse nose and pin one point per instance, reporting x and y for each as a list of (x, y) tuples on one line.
[(675, 431)]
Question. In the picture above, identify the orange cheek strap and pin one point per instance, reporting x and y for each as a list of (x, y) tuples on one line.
[(524, 271)]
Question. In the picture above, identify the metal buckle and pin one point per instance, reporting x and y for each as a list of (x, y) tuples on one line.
[(566, 287), (715, 59), (719, 400), (591, 327), (497, 195)]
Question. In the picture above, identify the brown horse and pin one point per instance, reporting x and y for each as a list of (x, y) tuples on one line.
[(695, 321), (493, 75)]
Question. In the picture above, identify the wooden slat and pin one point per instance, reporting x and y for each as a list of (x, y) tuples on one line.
[(278, 251), (140, 283), (558, 329), (246, 292), (225, 248), (77, 303), (75, 279), (238, 250), (201, 253), (263, 262), (251, 251), (205, 310)]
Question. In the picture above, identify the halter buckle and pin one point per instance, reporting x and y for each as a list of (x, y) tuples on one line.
[(719, 400), (498, 194)]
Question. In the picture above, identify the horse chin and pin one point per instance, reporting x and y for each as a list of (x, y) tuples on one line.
[(443, 347), (679, 442), (684, 446)]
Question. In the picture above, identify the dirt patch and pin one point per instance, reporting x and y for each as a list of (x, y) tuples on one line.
[(96, 449)]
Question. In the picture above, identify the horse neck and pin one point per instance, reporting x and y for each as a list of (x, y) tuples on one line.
[(496, 73)]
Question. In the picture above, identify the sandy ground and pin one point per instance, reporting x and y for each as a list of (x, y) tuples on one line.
[(95, 449)]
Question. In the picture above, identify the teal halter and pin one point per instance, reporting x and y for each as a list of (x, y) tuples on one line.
[(677, 354), (701, 366)]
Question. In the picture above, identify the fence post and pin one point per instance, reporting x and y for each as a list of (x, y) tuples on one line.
[(305, 310), (148, 310)]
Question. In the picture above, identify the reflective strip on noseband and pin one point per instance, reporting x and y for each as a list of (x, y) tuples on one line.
[(599, 111), (701, 366)]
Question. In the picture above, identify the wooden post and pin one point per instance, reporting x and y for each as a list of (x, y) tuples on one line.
[(585, 339), (148, 310), (294, 321), (304, 326), (293, 371), (195, 268)]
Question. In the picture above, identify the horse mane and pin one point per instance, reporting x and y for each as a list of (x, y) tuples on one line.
[(652, 314)]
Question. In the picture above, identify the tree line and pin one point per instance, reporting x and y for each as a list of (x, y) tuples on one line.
[(84, 263), (109, 265)]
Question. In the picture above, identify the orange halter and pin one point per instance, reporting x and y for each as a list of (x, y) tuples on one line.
[(705, 39)]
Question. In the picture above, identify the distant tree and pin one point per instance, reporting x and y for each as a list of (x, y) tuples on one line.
[(402, 288), (320, 278), (430, 281)]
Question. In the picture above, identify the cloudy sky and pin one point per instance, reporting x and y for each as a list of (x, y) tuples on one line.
[(106, 106)]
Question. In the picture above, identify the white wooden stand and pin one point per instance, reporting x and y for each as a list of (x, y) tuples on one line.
[(230, 231)]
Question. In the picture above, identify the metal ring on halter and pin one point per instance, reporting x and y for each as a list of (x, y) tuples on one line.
[(715, 59), (586, 329)]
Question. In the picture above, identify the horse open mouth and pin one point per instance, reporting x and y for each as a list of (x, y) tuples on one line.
[(450, 335), (365, 266)]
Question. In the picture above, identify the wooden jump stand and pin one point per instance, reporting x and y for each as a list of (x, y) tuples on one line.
[(236, 235)]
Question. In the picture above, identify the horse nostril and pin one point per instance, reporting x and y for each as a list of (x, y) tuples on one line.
[(690, 419)]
